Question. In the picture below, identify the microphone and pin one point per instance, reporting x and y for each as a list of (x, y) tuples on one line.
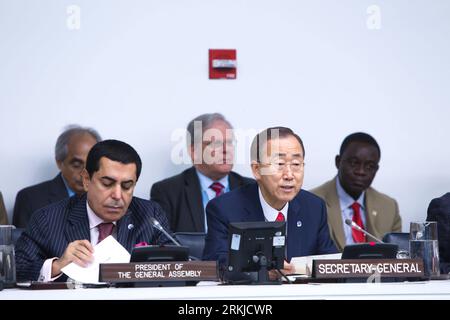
[(355, 226), (158, 226)]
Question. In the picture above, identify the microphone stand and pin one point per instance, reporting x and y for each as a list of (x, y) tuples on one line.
[(356, 227), (157, 225)]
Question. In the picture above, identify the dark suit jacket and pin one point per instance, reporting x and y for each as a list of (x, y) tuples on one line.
[(32, 198), (181, 198), (53, 227), (307, 228), (3, 215), (439, 210)]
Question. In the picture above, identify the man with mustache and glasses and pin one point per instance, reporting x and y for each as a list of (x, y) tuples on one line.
[(68, 230), (350, 195), (71, 150), (277, 156)]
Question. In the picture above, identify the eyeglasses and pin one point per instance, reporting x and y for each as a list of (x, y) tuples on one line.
[(368, 166), (282, 166)]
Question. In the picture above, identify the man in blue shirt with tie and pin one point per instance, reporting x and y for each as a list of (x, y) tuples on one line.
[(210, 144)]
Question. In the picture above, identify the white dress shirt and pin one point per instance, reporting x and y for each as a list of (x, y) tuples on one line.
[(346, 202), (270, 214), (208, 193)]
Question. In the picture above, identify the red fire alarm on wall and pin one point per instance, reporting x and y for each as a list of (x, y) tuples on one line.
[(222, 64)]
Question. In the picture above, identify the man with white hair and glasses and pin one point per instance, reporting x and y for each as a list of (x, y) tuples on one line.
[(71, 150), (210, 143)]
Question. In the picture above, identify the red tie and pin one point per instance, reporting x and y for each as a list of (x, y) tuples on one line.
[(358, 236), (104, 230), (217, 187), (280, 217)]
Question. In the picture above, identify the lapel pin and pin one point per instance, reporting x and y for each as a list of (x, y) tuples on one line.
[(299, 224), (130, 226), (374, 213)]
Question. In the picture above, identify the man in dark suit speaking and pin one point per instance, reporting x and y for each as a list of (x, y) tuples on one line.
[(67, 231), (277, 156)]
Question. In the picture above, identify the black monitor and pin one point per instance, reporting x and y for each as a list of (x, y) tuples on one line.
[(370, 250), (159, 253), (255, 247)]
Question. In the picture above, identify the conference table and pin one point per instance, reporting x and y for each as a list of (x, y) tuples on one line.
[(435, 289)]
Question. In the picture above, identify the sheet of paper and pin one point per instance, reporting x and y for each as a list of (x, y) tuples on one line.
[(107, 251), (303, 265)]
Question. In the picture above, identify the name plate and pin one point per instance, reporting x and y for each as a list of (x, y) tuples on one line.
[(364, 268), (159, 271)]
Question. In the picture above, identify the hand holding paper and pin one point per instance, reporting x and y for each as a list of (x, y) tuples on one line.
[(107, 251)]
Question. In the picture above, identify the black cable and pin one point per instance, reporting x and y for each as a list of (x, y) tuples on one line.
[(284, 276)]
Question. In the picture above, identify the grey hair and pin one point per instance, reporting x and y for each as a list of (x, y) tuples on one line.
[(61, 148), (206, 121)]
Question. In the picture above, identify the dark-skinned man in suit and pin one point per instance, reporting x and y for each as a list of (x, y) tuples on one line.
[(350, 194)]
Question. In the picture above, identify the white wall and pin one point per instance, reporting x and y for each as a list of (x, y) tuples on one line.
[(137, 70)]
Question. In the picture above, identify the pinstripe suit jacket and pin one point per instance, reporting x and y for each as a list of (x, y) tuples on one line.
[(52, 228)]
